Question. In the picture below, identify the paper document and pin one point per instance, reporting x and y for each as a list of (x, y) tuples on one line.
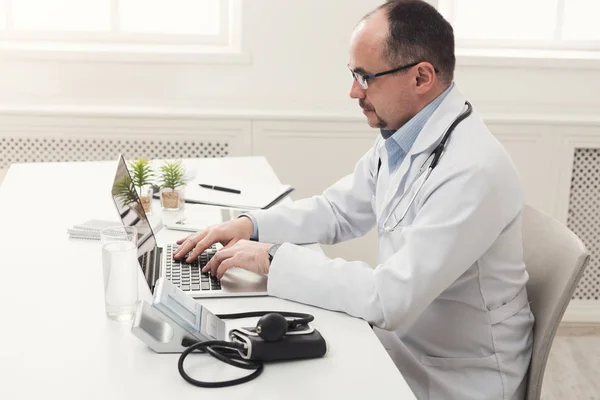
[(252, 197)]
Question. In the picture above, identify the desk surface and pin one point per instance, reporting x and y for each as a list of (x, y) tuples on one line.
[(55, 341)]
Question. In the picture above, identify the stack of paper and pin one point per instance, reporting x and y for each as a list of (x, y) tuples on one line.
[(89, 230)]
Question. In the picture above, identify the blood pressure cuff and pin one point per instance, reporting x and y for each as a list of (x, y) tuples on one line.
[(294, 345)]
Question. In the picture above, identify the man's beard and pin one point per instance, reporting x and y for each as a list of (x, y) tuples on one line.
[(380, 122)]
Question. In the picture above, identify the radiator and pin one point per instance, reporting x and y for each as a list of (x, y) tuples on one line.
[(584, 216), (23, 149)]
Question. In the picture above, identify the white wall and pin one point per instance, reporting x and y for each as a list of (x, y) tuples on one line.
[(298, 62), (292, 99)]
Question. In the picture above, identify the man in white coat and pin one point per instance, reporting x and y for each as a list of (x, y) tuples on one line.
[(447, 297)]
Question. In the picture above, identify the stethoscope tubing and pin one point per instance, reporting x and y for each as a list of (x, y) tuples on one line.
[(436, 153)]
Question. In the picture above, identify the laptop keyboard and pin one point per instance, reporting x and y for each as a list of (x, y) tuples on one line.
[(189, 277)]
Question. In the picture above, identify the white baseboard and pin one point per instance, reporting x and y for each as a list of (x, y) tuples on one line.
[(582, 311)]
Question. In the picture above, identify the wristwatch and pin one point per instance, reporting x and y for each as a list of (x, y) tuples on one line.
[(272, 251)]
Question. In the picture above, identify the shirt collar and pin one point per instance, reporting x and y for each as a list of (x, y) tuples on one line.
[(407, 134)]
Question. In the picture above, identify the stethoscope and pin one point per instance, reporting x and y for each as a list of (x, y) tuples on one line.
[(430, 163)]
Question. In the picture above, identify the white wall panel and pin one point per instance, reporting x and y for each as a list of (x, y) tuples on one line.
[(532, 149), (311, 156), (26, 137)]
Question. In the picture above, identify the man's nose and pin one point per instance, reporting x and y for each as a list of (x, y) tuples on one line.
[(356, 91)]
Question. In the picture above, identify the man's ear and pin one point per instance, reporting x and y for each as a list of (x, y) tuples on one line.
[(425, 77)]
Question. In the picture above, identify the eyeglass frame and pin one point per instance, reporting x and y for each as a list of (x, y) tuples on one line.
[(365, 78)]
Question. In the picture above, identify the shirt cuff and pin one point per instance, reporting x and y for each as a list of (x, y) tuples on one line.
[(254, 226)]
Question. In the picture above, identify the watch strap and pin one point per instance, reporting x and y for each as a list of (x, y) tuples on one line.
[(272, 251)]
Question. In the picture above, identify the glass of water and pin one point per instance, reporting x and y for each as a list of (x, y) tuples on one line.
[(120, 267)]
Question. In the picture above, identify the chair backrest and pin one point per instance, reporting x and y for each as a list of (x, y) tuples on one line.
[(555, 259)]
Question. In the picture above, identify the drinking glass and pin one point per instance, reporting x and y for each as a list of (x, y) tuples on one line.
[(120, 268)]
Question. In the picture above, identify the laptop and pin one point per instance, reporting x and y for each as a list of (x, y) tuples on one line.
[(157, 262)]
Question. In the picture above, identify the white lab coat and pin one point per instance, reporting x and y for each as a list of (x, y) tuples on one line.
[(448, 290)]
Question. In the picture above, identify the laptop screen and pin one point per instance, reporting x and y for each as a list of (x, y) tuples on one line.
[(130, 208)]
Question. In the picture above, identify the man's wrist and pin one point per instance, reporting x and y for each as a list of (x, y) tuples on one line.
[(254, 233)]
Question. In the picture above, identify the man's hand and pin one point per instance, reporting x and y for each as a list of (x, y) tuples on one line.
[(227, 233), (251, 256)]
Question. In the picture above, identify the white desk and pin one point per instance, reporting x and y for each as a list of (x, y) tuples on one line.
[(55, 341)]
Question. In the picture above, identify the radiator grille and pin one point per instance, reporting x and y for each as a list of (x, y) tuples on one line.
[(584, 216), (52, 149)]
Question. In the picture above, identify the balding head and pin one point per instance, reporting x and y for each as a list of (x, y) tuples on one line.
[(372, 32), (416, 31)]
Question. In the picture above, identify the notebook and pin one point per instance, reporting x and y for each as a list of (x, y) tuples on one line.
[(252, 196), (90, 230), (83, 234)]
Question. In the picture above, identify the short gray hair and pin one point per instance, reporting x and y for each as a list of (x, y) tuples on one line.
[(418, 32)]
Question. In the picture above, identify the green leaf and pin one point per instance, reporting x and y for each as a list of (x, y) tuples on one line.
[(172, 175), (124, 190), (141, 172)]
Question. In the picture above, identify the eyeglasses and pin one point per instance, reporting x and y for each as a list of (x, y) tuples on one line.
[(362, 79)]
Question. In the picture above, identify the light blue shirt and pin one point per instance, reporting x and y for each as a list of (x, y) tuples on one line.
[(399, 143), (254, 226)]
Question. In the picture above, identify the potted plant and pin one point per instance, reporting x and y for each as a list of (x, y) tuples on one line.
[(172, 183), (142, 175)]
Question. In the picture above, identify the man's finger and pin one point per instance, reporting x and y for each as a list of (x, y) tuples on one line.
[(201, 245), (231, 243), (183, 249), (217, 259), (225, 265), (188, 244), (184, 239)]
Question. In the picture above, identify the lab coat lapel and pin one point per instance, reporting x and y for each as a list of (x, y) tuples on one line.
[(382, 177), (428, 138)]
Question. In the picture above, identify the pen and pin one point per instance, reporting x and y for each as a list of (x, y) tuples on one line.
[(220, 188)]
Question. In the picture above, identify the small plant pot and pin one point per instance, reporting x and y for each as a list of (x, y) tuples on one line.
[(172, 199), (135, 206), (145, 195)]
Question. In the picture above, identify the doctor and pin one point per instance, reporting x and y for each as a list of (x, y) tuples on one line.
[(447, 296)]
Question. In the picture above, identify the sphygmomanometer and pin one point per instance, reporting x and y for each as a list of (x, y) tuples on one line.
[(176, 323)]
